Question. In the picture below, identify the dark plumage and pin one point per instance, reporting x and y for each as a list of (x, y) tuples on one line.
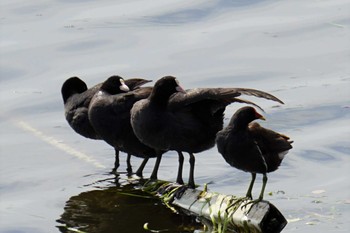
[(249, 147), (186, 121), (109, 114), (76, 98)]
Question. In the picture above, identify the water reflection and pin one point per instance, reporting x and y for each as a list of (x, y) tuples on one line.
[(122, 208)]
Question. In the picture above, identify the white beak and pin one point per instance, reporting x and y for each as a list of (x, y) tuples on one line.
[(124, 87), (180, 89)]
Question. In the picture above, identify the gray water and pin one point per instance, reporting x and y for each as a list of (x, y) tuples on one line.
[(52, 178)]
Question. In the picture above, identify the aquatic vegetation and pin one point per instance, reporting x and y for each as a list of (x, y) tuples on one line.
[(225, 212)]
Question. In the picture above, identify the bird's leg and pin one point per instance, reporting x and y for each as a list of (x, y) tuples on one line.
[(116, 161), (248, 195), (179, 179), (253, 202), (154, 175), (128, 163), (142, 166), (261, 196), (180, 191), (191, 183), (249, 191)]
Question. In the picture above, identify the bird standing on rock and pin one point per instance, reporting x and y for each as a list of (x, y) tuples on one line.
[(249, 147), (185, 121)]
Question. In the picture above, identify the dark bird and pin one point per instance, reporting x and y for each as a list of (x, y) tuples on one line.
[(109, 114), (76, 98), (184, 121), (249, 147)]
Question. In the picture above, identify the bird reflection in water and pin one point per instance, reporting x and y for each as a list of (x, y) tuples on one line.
[(124, 208)]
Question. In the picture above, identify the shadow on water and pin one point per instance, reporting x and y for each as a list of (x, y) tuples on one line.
[(122, 208)]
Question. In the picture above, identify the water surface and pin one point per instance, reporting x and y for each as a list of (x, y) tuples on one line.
[(298, 51)]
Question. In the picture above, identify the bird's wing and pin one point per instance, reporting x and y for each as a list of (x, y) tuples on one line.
[(135, 83), (127, 100), (269, 140), (225, 95), (243, 101)]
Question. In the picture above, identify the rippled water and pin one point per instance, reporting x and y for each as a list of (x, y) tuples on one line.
[(298, 51)]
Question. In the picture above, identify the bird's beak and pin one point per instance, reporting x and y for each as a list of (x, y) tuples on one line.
[(180, 89), (259, 116), (123, 86)]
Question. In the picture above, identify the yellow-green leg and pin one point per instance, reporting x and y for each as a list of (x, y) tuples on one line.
[(249, 191), (261, 196)]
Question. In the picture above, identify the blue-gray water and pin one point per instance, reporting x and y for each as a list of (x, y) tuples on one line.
[(298, 51)]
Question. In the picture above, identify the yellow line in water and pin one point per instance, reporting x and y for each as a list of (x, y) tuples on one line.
[(59, 145)]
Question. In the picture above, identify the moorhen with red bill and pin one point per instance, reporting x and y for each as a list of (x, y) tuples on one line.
[(247, 146)]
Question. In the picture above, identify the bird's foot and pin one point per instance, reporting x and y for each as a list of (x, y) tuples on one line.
[(114, 171), (237, 202), (139, 172), (252, 203), (179, 181), (180, 191), (129, 171), (167, 188), (192, 185)]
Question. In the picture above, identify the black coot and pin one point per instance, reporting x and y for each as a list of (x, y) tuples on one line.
[(109, 114), (174, 119), (249, 147), (76, 98)]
